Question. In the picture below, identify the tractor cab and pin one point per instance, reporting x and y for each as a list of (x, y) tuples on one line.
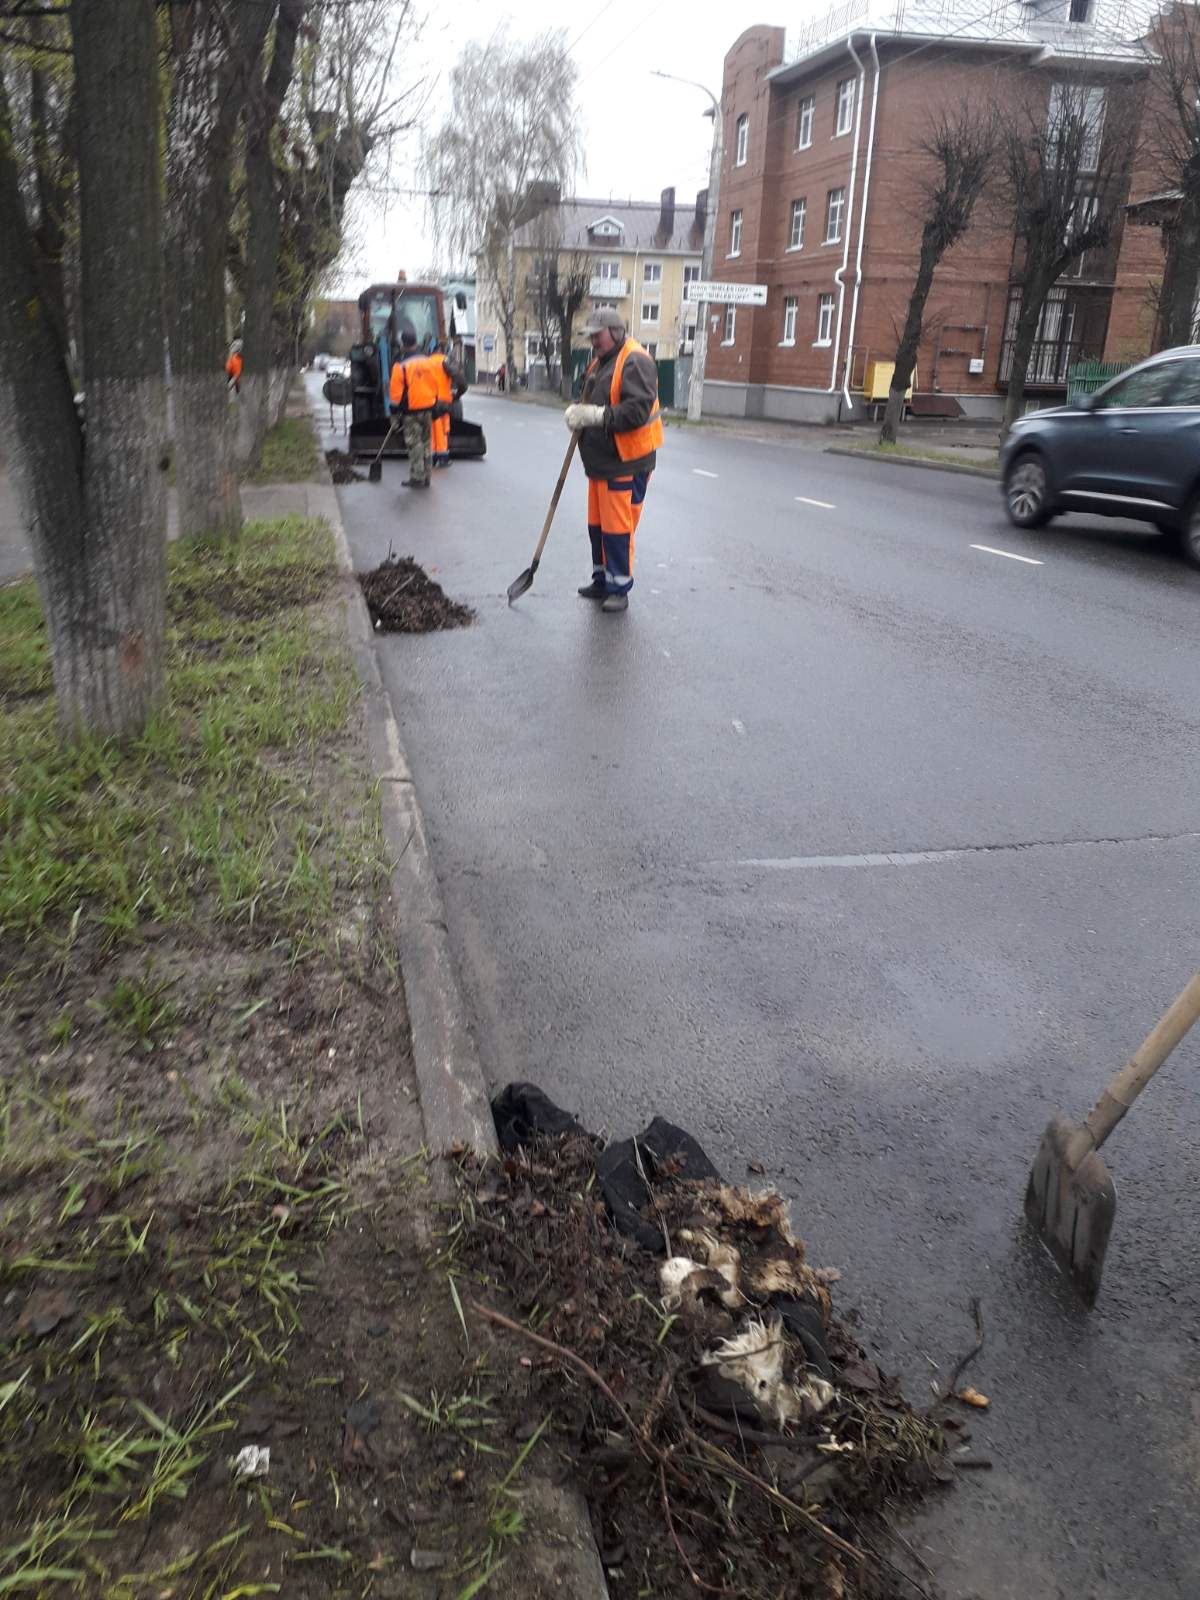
[(386, 311)]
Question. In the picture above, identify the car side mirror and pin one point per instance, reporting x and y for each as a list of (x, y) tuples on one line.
[(1084, 402)]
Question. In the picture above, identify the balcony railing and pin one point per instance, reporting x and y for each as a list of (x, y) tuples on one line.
[(1050, 362), (608, 288)]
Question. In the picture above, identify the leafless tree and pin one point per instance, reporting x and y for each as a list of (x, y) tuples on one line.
[(555, 289), (509, 146), (1173, 156), (960, 148), (1064, 167), (215, 55), (95, 514)]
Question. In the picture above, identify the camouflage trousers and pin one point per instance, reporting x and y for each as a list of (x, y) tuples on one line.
[(417, 431)]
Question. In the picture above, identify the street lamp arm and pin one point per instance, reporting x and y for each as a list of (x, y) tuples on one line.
[(692, 84)]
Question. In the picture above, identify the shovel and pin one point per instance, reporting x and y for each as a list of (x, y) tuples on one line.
[(524, 583), (1071, 1199), (375, 470)]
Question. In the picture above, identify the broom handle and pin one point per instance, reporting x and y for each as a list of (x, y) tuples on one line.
[(556, 497), (1143, 1064)]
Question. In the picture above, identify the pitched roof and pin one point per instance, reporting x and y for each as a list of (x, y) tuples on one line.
[(640, 222)]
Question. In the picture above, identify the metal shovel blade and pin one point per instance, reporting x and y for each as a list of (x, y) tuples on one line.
[(375, 471), (1072, 1203), (523, 584)]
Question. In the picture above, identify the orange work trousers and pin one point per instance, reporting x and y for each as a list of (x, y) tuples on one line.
[(614, 511)]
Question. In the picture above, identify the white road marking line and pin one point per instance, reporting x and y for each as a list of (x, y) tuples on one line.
[(666, 653), (700, 473), (739, 728), (987, 550), (823, 504)]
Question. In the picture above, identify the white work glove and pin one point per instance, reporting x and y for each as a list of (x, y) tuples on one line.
[(584, 417)]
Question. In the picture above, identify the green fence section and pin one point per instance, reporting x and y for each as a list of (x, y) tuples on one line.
[(1085, 377), (666, 382)]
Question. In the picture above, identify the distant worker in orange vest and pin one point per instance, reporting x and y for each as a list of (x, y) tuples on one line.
[(233, 367), (451, 386), (618, 440), (412, 391)]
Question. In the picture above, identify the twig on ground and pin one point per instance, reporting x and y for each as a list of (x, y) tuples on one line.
[(494, 1227), (637, 1156), (965, 1361), (709, 1588)]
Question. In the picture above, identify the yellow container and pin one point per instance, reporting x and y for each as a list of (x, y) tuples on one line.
[(879, 380)]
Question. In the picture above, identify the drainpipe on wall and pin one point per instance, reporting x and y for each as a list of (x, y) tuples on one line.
[(839, 276), (862, 228)]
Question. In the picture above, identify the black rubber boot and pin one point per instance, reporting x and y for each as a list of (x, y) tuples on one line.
[(616, 602), (596, 590), (415, 483)]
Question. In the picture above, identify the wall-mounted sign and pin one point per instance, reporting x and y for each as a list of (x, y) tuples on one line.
[(729, 294)]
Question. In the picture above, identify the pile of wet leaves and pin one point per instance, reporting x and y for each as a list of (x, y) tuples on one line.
[(341, 467), (402, 598), (731, 1434)]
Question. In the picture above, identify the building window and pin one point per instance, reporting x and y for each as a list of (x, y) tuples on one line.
[(804, 122), (689, 338), (735, 234), (743, 140), (652, 272), (799, 213), (730, 324), (789, 320), (825, 319), (1080, 9), (608, 269), (1075, 125), (650, 311), (844, 117), (652, 348), (835, 205), (690, 275)]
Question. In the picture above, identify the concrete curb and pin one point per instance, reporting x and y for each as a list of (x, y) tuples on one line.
[(561, 1555), (454, 1099), (963, 468)]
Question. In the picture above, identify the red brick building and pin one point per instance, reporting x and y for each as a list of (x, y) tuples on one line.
[(820, 199)]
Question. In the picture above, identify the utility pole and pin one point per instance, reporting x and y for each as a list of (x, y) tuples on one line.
[(700, 350)]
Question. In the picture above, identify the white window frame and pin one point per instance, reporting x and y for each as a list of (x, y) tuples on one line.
[(1094, 95), (735, 234), (651, 272), (796, 236), (742, 140), (608, 267), (644, 312), (691, 274), (689, 337), (824, 322), (843, 117), (651, 348), (789, 320), (805, 112), (730, 334), (835, 238)]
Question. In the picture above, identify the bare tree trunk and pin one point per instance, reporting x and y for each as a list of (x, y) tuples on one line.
[(1181, 279), (54, 198), (97, 517), (1023, 341), (218, 52), (910, 338), (263, 236)]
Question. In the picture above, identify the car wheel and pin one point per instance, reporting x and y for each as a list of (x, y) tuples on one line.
[(1027, 491), (1189, 534)]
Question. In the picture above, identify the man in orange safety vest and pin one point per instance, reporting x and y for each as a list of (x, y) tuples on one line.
[(412, 391), (620, 432)]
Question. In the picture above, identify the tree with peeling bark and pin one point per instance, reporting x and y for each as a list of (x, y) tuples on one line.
[(261, 354), (1173, 155), (959, 147), (1065, 160), (94, 506), (215, 52), (509, 147)]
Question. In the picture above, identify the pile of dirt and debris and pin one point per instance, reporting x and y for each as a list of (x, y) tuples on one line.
[(403, 598), (733, 1436), (341, 467)]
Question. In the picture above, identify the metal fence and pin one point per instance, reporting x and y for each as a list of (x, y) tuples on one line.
[(1085, 377)]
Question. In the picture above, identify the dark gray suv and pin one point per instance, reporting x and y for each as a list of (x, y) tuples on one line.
[(1132, 449)]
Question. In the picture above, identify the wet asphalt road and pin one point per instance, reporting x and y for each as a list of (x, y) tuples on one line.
[(650, 832)]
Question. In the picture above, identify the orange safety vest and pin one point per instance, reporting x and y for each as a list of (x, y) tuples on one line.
[(234, 367), (445, 389), (635, 442), (414, 376)]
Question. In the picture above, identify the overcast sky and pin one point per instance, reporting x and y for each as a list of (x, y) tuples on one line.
[(641, 134)]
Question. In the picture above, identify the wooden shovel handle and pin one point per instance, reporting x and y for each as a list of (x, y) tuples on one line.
[(556, 497), (1143, 1064)]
